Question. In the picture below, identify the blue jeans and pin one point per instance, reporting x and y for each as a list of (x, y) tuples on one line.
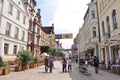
[(46, 68), (96, 69)]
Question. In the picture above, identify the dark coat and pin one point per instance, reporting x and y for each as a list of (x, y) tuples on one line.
[(96, 62)]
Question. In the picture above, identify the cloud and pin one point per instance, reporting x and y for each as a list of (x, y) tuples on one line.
[(68, 16)]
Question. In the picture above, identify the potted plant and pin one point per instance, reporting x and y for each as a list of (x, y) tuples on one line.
[(24, 57), (1, 70), (18, 67), (6, 69), (32, 63), (35, 62)]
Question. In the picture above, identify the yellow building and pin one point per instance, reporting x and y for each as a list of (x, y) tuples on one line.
[(109, 18)]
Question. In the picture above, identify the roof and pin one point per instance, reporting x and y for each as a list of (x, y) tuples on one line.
[(48, 30)]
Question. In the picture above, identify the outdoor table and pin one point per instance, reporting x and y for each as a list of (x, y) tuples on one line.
[(116, 68)]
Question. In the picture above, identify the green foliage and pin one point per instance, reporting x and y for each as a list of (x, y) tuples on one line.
[(5, 64), (44, 49), (24, 57), (1, 61), (36, 60), (40, 60), (32, 61)]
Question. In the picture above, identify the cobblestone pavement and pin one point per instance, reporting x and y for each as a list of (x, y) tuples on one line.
[(57, 74)]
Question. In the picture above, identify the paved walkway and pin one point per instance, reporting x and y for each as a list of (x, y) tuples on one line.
[(38, 73), (57, 74), (102, 75)]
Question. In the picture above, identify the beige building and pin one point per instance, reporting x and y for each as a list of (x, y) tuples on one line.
[(109, 17)]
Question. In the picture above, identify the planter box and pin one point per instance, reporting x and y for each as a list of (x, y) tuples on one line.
[(18, 68), (6, 71), (25, 67), (31, 65), (1, 71), (35, 65)]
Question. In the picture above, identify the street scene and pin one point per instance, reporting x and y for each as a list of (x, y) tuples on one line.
[(59, 40)]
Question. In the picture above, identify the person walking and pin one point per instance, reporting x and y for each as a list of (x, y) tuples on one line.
[(46, 63), (64, 64), (50, 63), (96, 64), (69, 65)]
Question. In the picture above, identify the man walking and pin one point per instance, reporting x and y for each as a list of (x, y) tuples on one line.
[(69, 64), (46, 63), (96, 64)]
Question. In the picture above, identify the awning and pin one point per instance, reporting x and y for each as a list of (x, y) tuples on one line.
[(44, 54)]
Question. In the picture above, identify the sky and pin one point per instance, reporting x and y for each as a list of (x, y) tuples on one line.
[(67, 16)]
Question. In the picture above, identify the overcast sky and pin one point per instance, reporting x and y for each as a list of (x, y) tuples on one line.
[(67, 16)]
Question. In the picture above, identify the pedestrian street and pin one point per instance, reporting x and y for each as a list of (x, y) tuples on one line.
[(39, 73)]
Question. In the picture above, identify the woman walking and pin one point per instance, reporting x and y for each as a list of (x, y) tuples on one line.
[(50, 63)]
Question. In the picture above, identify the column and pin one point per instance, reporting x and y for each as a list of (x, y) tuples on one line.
[(106, 60), (110, 54)]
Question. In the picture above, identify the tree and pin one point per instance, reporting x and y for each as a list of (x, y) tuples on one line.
[(44, 49)]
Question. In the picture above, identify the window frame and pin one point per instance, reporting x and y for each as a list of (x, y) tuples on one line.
[(8, 29)]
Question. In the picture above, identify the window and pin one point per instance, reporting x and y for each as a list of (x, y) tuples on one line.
[(108, 26), (10, 8), (103, 28), (24, 19), (93, 14), (38, 30), (108, 23), (8, 27), (15, 49), (18, 15), (23, 35), (94, 31), (29, 37), (37, 40), (16, 32), (114, 19), (6, 47)]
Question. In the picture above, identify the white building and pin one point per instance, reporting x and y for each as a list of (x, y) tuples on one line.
[(88, 34), (13, 28)]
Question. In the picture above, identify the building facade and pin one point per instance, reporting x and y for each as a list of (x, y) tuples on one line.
[(109, 13), (13, 28)]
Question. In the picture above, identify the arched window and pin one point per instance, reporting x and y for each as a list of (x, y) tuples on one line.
[(103, 28), (114, 19)]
